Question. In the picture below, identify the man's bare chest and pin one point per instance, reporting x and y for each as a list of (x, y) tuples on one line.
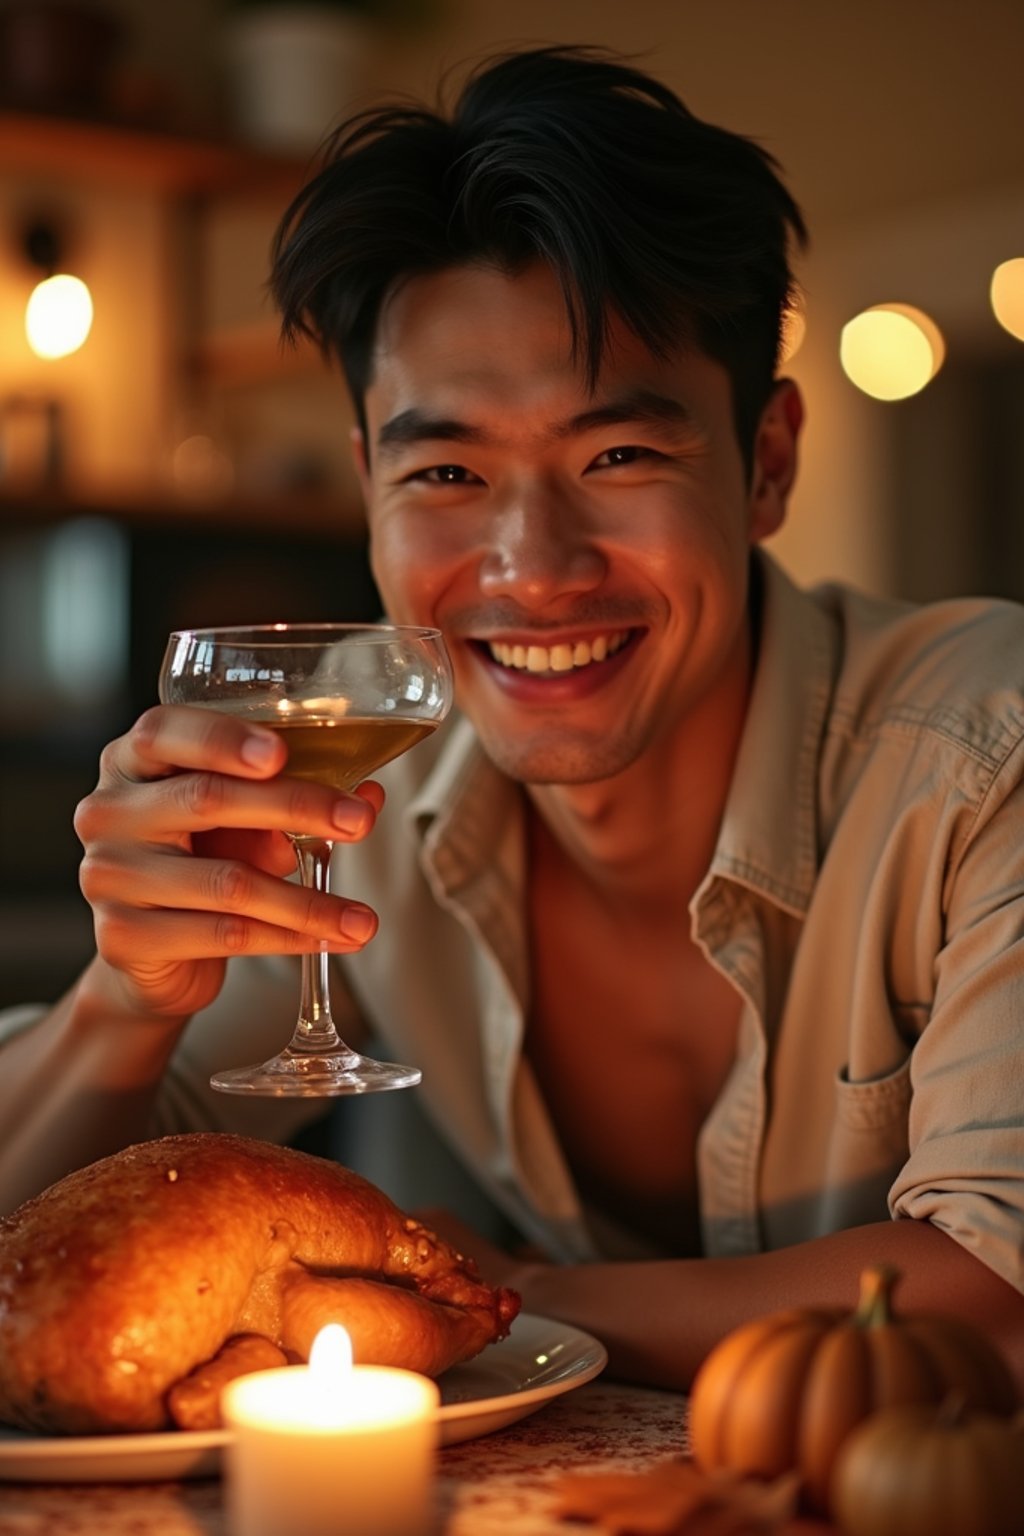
[(631, 1035)]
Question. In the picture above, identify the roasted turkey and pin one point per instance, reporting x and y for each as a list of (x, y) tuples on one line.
[(123, 1284)]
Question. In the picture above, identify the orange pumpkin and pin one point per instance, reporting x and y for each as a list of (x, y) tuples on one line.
[(783, 1392), (920, 1471)]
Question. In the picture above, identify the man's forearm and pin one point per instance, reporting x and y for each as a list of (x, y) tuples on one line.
[(76, 1086), (660, 1319)]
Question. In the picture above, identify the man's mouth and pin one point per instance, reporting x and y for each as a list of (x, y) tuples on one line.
[(564, 656)]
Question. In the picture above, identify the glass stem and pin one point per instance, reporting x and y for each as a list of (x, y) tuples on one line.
[(315, 1029)]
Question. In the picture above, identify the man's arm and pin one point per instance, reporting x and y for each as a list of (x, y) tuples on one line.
[(659, 1319), (88, 1077), (77, 1084), (186, 866)]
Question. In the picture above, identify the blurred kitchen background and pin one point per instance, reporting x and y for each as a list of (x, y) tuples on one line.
[(180, 467)]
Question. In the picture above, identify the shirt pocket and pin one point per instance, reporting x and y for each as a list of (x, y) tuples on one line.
[(879, 1105), (868, 1146)]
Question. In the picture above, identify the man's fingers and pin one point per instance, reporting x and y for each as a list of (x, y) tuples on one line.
[(184, 853), (259, 910), (164, 809), (372, 793), (170, 737), (182, 770), (123, 934), (270, 851)]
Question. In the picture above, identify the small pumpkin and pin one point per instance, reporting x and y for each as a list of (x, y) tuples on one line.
[(926, 1471), (782, 1392)]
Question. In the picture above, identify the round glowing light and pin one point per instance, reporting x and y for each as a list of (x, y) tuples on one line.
[(1007, 295), (891, 351), (200, 469), (58, 316)]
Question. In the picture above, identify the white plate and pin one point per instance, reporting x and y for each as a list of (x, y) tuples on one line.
[(538, 1361)]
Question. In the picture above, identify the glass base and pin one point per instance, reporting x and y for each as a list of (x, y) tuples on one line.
[(294, 1075)]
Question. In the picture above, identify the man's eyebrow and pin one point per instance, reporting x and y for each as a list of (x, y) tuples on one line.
[(640, 405), (416, 426), (645, 406)]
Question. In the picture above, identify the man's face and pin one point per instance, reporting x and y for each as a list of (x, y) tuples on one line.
[(584, 553)]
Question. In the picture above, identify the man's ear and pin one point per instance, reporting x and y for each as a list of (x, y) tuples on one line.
[(775, 459)]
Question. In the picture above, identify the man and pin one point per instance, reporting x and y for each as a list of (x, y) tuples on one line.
[(703, 918)]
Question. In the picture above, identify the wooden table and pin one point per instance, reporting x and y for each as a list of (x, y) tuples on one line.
[(499, 1485)]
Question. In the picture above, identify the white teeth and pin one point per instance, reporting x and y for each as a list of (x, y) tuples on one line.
[(557, 658)]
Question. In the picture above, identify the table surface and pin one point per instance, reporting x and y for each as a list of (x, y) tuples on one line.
[(499, 1485)]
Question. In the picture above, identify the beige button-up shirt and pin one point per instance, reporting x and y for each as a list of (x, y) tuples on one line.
[(866, 899)]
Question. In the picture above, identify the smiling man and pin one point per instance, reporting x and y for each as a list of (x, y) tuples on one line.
[(703, 915), (585, 549)]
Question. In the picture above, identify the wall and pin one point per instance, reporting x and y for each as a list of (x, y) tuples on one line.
[(848, 515), (901, 128), (905, 147)]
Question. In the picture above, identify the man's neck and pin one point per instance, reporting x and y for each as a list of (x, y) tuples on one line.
[(648, 834)]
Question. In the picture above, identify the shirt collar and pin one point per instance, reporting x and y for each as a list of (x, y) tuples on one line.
[(769, 835), (462, 810)]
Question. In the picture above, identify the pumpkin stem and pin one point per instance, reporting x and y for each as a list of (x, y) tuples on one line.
[(874, 1307)]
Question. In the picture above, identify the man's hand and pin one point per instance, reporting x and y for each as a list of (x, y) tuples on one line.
[(186, 857), (496, 1267)]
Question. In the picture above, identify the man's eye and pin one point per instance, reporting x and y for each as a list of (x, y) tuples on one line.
[(629, 453), (446, 474)]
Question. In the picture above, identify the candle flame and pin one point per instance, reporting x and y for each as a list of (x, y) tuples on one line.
[(330, 1358)]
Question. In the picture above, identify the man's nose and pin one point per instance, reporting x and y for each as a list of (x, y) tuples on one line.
[(539, 552)]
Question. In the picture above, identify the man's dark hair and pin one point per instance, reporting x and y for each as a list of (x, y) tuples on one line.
[(571, 156)]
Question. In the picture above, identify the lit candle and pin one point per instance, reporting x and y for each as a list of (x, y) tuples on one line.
[(331, 1449)]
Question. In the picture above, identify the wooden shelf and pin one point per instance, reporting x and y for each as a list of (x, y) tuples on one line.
[(317, 512), (254, 354), (73, 149), (181, 170)]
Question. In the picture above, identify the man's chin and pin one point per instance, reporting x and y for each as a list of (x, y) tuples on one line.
[(556, 763)]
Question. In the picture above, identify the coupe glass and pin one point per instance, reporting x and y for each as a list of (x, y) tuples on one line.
[(346, 698)]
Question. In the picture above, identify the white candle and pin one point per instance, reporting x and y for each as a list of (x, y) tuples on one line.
[(331, 1449)]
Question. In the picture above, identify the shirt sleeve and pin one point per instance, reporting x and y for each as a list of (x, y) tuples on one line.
[(965, 1172), (13, 1021)]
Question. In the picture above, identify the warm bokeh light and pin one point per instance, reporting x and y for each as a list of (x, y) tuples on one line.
[(58, 316), (1007, 295), (200, 469), (891, 351)]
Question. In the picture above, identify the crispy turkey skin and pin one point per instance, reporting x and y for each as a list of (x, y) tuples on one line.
[(121, 1279)]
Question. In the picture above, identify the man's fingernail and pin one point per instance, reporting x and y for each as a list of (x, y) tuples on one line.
[(259, 749), (350, 816), (358, 924)]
